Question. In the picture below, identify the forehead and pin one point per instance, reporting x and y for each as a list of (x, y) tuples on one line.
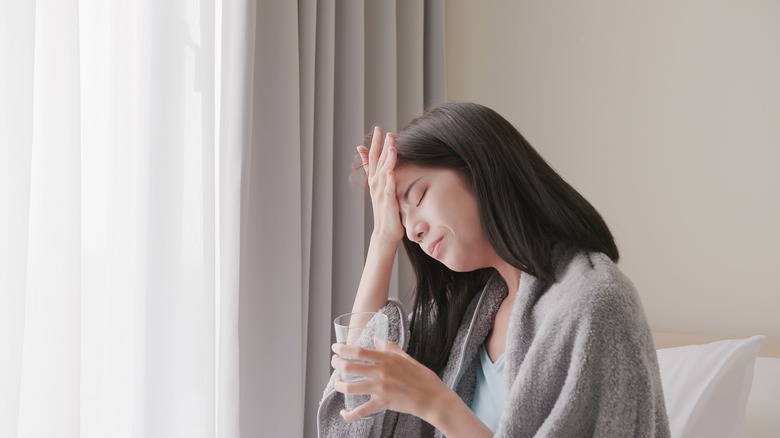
[(411, 175), (409, 172)]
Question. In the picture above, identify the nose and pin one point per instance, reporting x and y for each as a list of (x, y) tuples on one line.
[(415, 229)]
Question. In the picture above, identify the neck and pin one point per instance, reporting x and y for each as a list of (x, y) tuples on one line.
[(511, 276)]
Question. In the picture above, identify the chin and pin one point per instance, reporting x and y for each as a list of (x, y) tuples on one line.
[(458, 267)]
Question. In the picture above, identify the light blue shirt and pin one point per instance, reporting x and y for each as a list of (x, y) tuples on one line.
[(489, 396)]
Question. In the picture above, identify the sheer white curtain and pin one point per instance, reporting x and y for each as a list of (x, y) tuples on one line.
[(117, 222)]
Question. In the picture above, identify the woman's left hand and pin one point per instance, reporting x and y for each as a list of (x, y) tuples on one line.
[(394, 380)]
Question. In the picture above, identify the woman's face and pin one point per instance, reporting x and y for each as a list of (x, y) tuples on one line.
[(439, 211)]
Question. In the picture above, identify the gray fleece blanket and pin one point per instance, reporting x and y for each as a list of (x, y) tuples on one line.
[(579, 360)]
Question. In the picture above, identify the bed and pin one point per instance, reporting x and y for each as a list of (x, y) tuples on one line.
[(718, 386)]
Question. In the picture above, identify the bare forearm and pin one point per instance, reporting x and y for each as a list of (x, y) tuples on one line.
[(372, 292), (454, 419)]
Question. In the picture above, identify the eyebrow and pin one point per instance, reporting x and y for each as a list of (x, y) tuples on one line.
[(405, 197)]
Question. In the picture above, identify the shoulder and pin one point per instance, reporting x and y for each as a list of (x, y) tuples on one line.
[(591, 289), (594, 309), (586, 276)]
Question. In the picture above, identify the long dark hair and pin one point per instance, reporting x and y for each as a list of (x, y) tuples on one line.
[(526, 208)]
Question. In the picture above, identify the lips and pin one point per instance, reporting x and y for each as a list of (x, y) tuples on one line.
[(433, 248)]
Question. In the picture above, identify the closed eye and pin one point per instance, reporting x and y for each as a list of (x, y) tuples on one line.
[(421, 197)]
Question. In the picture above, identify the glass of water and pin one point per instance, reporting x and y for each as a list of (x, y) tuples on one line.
[(366, 330)]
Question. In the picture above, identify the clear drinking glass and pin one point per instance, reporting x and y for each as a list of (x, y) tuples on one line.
[(366, 330)]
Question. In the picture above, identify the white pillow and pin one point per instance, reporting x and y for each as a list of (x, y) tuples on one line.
[(706, 387)]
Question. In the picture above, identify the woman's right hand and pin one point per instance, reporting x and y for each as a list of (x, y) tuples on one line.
[(378, 163)]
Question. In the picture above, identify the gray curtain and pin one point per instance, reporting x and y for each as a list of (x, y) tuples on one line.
[(319, 75)]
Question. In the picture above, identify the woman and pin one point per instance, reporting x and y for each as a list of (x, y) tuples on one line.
[(522, 323)]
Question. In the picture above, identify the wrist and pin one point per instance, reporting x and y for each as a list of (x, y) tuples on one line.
[(449, 414), (384, 242), (437, 410)]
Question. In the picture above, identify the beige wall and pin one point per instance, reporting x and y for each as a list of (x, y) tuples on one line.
[(666, 116)]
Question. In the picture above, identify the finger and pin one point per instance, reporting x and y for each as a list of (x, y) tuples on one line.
[(390, 184), (335, 361), (353, 368), (361, 411), (363, 152), (360, 387), (354, 352), (350, 367), (390, 156), (376, 149), (390, 144), (383, 156)]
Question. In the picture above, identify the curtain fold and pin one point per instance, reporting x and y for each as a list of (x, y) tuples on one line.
[(50, 358), (234, 132), (324, 73), (318, 284), (270, 301), (17, 48)]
